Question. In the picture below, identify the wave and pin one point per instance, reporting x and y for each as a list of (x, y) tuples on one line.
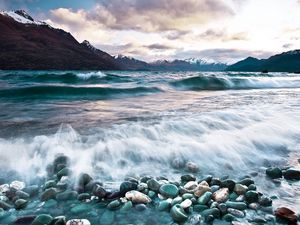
[(67, 92), (228, 82), (65, 77)]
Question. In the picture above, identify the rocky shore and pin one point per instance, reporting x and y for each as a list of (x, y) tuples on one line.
[(61, 200)]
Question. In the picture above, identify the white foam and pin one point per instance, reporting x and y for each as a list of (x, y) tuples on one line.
[(86, 76)]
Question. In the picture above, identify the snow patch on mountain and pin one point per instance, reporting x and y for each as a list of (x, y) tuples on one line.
[(22, 17)]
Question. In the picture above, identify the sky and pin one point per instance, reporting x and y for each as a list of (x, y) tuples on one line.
[(219, 30)]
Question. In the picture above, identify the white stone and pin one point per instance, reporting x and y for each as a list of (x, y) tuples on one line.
[(221, 195), (201, 189), (186, 204), (236, 213), (4, 188), (17, 185), (191, 185), (137, 197), (78, 222)]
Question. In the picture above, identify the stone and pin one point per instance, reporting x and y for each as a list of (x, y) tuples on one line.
[(67, 195), (78, 222), (4, 205), (20, 203), (200, 208), (186, 204), (107, 218), (192, 167), (246, 181), (80, 208), (127, 186), (142, 186), (169, 190), (274, 173), (32, 190), (236, 205), (63, 172), (114, 205), (176, 200), (137, 197), (4, 188), (251, 197), (50, 203), (151, 194), (252, 187), (230, 184), (22, 194), (187, 196), (83, 180), (221, 195), (99, 191), (126, 207), (222, 207), (215, 181), (201, 189), (191, 185), (48, 194), (265, 201), (164, 205), (178, 163), (84, 197), (153, 185), (240, 189), (286, 215), (291, 174), (25, 219), (205, 198), (254, 206), (42, 219), (229, 218), (140, 207), (49, 184), (59, 220), (178, 214), (187, 178), (17, 185), (235, 212), (214, 188)]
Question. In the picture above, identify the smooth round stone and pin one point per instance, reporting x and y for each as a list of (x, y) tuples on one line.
[(188, 177), (99, 191), (127, 186), (153, 185), (186, 204), (254, 206), (84, 196), (265, 201), (5, 205), (274, 173), (229, 218), (78, 222), (20, 203), (48, 194), (32, 190), (4, 188), (164, 205), (214, 188), (176, 200), (142, 186), (251, 196), (215, 181), (81, 208), (24, 219), (126, 207), (67, 195), (187, 196), (240, 189), (137, 197), (223, 208), (205, 198), (140, 207), (84, 179), (17, 185), (63, 172), (191, 185), (22, 194), (192, 167), (201, 189), (114, 204), (50, 184), (178, 214), (169, 190), (42, 219), (151, 194), (230, 184), (247, 182), (236, 213), (236, 205), (291, 174), (221, 195), (200, 208)]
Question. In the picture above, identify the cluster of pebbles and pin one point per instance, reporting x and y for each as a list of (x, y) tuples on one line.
[(188, 201)]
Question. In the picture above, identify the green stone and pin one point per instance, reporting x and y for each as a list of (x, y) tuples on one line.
[(200, 208), (81, 208), (176, 200), (187, 196), (236, 205), (274, 173), (49, 184), (233, 196), (153, 185), (205, 198), (126, 207), (67, 195), (42, 219), (229, 218), (48, 194), (50, 203), (114, 204), (164, 206), (251, 196), (169, 190), (20, 204), (151, 194), (208, 212), (107, 218), (63, 172), (178, 214)]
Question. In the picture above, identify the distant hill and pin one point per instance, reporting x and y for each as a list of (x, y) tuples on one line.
[(284, 62), (29, 44)]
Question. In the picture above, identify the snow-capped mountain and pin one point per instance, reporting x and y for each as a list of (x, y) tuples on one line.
[(22, 17), (201, 61)]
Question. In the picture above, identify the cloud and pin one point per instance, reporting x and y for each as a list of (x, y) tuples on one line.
[(158, 46), (289, 45), (222, 54), (149, 15), (223, 35)]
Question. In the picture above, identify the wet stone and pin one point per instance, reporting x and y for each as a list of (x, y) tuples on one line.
[(187, 178), (20, 203), (205, 198), (274, 173), (114, 204), (153, 185), (251, 196), (221, 195), (48, 194), (178, 214), (42, 219), (169, 190), (67, 195)]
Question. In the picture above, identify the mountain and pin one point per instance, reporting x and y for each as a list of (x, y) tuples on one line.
[(129, 63), (29, 44), (191, 64), (284, 62)]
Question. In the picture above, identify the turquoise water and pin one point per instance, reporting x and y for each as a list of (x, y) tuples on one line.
[(115, 124)]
